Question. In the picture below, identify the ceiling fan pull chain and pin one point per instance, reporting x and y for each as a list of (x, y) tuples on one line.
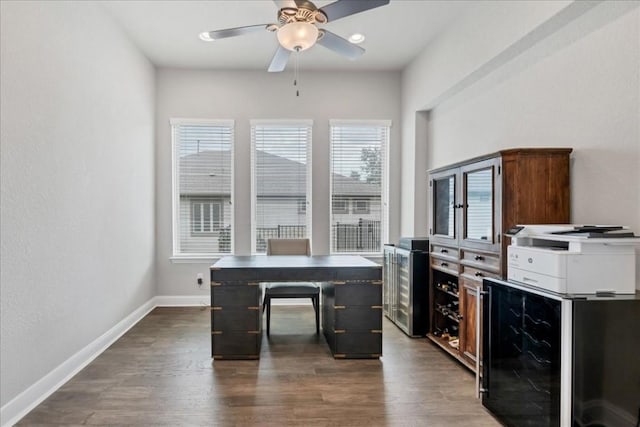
[(295, 73)]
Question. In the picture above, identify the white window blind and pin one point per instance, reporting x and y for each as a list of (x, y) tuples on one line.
[(359, 186), (281, 181), (202, 183)]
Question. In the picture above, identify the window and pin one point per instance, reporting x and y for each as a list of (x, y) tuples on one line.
[(361, 206), (206, 216), (340, 206), (359, 169), (281, 180), (202, 187)]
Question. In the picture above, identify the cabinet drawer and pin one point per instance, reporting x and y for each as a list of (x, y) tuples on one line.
[(445, 265), (358, 318), (230, 320), (476, 274), (484, 261), (236, 345), (349, 294), (444, 252), (359, 343), (235, 295)]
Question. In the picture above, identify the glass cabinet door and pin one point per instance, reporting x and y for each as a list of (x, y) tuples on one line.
[(443, 215), (479, 218)]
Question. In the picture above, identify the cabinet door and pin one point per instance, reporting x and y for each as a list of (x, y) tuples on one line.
[(470, 327), (480, 196), (444, 190), (388, 271), (403, 295)]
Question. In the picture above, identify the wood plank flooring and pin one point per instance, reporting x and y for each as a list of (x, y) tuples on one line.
[(161, 373)]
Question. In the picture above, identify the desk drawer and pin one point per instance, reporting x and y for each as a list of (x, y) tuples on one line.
[(365, 344), (235, 295), (358, 318), (445, 266), (231, 320), (232, 345), (349, 294)]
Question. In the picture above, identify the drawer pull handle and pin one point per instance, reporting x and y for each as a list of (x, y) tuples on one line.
[(444, 251), (216, 283), (376, 307), (376, 331), (253, 332), (339, 331), (444, 264), (216, 308), (339, 307), (479, 258), (478, 274), (253, 308), (253, 283)]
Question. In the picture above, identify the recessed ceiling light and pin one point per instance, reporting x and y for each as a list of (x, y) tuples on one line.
[(204, 36), (356, 38)]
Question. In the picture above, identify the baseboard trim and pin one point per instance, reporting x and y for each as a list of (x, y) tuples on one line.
[(182, 300), (14, 410), (22, 404)]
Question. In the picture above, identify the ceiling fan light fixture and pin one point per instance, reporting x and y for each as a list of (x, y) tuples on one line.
[(356, 38), (205, 36), (297, 36)]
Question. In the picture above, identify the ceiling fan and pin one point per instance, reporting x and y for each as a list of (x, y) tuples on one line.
[(297, 28)]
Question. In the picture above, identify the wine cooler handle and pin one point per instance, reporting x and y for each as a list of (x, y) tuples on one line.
[(479, 294)]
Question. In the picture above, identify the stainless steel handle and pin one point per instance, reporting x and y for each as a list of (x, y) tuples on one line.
[(478, 288), (479, 294)]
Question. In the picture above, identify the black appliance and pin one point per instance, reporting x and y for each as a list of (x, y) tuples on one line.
[(405, 276), (560, 360)]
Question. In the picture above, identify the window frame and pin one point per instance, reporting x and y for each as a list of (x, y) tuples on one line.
[(309, 175), (176, 254), (384, 196)]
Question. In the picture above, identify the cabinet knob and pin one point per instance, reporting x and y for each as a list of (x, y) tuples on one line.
[(444, 251), (444, 264), (479, 258), (478, 274)]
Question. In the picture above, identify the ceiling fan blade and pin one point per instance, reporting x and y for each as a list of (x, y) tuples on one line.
[(342, 8), (338, 44), (279, 61), (239, 31)]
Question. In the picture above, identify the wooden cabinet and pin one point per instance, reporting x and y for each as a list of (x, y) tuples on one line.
[(472, 204)]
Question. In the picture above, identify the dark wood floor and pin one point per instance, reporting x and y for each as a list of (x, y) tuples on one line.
[(161, 373)]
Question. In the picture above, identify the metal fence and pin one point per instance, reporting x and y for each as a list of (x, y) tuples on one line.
[(279, 232), (363, 236)]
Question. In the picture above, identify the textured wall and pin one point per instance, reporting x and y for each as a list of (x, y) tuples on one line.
[(77, 179), (567, 76), (246, 95)]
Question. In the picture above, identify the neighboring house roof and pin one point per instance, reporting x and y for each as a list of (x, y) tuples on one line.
[(203, 174)]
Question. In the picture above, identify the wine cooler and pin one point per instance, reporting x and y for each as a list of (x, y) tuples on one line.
[(405, 285), (559, 360)]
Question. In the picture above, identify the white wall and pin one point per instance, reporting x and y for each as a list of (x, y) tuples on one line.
[(563, 75), (246, 95), (77, 179)]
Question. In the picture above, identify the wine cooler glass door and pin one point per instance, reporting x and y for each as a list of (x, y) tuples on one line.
[(403, 313), (521, 356)]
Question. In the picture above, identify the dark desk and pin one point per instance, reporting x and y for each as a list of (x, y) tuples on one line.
[(351, 302)]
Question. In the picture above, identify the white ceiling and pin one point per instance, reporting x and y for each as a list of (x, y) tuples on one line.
[(167, 32)]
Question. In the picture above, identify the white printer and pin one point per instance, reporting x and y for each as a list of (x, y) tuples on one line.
[(573, 259)]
